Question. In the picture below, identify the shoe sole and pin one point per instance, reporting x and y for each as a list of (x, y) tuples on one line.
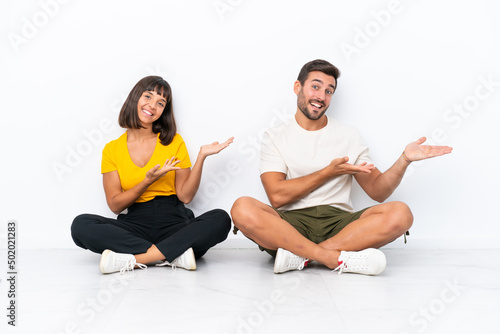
[(192, 260), (104, 257), (277, 261), (383, 264)]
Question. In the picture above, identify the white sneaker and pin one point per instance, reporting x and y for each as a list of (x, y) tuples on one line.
[(286, 261), (185, 261), (369, 261), (112, 262)]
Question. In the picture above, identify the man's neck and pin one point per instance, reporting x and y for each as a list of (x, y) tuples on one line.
[(309, 124)]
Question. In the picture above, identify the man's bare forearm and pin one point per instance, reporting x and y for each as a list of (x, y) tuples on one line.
[(281, 191)]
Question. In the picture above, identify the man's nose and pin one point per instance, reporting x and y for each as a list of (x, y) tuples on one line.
[(320, 95)]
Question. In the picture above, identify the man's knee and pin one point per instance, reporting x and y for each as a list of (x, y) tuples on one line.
[(244, 212), (400, 217), (241, 208)]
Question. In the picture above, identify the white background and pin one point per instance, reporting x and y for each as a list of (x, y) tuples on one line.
[(67, 67)]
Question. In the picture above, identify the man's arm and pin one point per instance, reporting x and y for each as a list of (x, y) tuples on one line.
[(379, 186), (281, 191)]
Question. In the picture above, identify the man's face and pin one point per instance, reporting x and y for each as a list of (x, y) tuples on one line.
[(313, 98)]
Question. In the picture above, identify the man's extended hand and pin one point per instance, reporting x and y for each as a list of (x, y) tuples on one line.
[(416, 151), (340, 166)]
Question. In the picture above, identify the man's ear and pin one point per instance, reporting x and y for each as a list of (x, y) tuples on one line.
[(297, 87)]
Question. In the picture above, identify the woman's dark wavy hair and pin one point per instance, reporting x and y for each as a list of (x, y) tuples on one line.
[(165, 125)]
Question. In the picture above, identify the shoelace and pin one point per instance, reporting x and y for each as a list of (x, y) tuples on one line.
[(341, 267), (129, 265), (354, 262), (297, 262), (166, 263)]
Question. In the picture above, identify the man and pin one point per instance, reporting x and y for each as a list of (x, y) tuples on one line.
[(307, 165)]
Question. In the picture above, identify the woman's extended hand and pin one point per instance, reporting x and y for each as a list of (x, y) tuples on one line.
[(156, 172), (215, 147)]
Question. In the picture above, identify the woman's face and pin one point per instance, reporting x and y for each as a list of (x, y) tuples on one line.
[(150, 107)]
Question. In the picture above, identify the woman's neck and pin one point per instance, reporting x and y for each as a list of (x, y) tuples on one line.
[(140, 134)]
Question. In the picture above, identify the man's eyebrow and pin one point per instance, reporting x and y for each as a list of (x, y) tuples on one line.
[(318, 80)]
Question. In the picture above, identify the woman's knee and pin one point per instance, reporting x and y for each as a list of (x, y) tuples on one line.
[(79, 224), (223, 217), (79, 229), (83, 226), (219, 219)]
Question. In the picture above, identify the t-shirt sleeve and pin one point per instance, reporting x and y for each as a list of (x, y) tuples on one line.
[(107, 163), (270, 157), (364, 152), (182, 154)]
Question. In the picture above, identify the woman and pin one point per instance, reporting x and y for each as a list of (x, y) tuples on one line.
[(147, 171)]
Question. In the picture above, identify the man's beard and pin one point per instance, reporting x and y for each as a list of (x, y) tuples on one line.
[(302, 105)]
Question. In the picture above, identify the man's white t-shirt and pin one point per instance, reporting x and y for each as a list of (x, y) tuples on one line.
[(296, 152)]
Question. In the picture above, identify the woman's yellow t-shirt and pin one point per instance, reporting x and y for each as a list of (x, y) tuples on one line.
[(115, 156)]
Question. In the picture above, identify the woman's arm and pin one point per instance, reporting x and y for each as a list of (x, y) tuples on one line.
[(118, 200), (187, 181)]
